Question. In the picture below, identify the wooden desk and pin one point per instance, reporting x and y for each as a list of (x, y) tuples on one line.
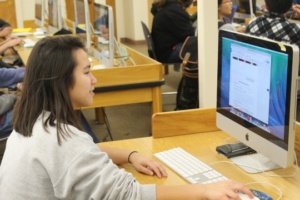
[(131, 84), (203, 145), (137, 83)]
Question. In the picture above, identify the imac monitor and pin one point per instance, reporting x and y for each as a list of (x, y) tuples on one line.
[(82, 21), (245, 5), (54, 16), (256, 98), (39, 10), (103, 29)]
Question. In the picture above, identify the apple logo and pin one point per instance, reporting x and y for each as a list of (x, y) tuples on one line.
[(247, 137)]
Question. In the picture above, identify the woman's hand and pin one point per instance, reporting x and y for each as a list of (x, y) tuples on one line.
[(296, 10), (147, 165)]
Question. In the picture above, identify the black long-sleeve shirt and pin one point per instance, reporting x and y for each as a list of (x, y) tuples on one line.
[(171, 25)]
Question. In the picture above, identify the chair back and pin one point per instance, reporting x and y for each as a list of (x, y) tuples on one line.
[(149, 41)]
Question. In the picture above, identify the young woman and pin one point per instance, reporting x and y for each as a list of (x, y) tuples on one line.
[(49, 156)]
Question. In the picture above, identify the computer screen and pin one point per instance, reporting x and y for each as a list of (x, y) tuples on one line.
[(39, 10), (256, 96), (82, 21), (103, 28), (245, 6), (54, 16)]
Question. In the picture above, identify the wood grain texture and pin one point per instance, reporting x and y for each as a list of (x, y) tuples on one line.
[(167, 124)]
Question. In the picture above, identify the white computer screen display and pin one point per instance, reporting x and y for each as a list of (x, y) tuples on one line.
[(256, 92)]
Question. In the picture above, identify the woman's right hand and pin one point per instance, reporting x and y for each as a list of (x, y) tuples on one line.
[(228, 189), (296, 10)]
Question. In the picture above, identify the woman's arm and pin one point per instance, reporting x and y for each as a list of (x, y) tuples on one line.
[(10, 42), (10, 76), (224, 190), (140, 163)]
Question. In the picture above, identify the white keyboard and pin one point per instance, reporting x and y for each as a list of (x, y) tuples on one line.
[(28, 42), (189, 167)]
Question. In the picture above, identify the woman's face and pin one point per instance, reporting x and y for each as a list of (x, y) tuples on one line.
[(81, 92), (226, 7)]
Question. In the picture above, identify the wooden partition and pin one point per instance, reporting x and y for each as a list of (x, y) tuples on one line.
[(184, 122)]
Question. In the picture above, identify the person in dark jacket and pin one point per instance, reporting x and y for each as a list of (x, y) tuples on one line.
[(171, 26)]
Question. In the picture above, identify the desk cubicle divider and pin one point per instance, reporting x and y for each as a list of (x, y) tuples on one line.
[(184, 122)]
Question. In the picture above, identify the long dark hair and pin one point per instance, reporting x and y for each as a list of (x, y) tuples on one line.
[(48, 78), (279, 6), (161, 3)]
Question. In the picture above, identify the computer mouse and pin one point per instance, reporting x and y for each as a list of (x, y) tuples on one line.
[(261, 195), (28, 45), (246, 197)]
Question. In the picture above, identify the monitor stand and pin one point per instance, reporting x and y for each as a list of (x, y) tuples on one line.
[(121, 53), (254, 163)]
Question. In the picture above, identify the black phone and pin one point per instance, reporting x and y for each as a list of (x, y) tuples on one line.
[(234, 149)]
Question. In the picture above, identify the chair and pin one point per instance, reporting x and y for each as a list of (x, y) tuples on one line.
[(151, 51), (151, 48)]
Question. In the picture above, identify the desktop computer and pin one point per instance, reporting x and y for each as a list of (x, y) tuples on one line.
[(256, 98)]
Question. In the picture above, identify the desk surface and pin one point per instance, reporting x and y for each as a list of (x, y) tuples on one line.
[(203, 145)]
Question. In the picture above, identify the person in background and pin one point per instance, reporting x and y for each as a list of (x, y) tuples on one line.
[(225, 8), (9, 77), (274, 25), (171, 26), (296, 9), (7, 42), (5, 29), (295, 2), (10, 42), (102, 26), (59, 160)]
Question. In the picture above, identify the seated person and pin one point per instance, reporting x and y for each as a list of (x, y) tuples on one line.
[(9, 43), (7, 51), (296, 10), (56, 159), (5, 29), (101, 25), (225, 9), (274, 25), (171, 26), (295, 2)]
